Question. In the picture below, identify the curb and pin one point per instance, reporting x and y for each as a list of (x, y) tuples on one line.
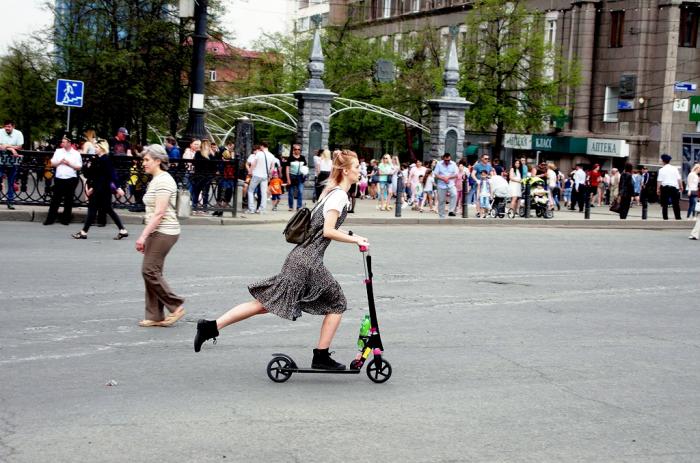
[(137, 219)]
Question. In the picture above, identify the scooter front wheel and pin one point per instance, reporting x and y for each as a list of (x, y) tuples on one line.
[(378, 371), (276, 367)]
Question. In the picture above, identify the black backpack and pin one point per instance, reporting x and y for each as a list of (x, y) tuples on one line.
[(298, 229)]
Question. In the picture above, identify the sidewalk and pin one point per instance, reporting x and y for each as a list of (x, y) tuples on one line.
[(366, 213)]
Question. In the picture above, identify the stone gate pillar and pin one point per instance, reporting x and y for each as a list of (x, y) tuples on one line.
[(447, 121), (314, 104)]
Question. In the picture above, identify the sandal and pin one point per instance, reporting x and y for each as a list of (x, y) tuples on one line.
[(120, 235), (79, 236), (173, 317), (150, 323)]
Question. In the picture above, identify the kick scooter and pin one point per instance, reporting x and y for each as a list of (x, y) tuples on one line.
[(282, 366)]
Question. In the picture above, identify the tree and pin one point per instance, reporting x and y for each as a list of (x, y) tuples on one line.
[(27, 91), (350, 63), (133, 55), (504, 61)]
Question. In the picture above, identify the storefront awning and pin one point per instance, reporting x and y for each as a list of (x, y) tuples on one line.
[(568, 145)]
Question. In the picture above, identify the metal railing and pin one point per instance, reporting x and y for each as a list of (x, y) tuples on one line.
[(33, 179)]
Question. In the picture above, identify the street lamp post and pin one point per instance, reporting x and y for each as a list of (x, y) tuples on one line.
[(195, 121)]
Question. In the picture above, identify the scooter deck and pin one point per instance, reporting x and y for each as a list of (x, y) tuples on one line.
[(315, 370)]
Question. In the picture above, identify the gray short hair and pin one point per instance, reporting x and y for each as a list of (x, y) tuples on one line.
[(157, 153)]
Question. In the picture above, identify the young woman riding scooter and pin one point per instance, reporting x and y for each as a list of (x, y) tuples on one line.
[(304, 283)]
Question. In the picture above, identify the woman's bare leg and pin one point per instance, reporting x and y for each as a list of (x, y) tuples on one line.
[(240, 312), (328, 328)]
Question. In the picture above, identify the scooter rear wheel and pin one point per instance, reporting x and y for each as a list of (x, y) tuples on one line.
[(275, 369), (378, 372)]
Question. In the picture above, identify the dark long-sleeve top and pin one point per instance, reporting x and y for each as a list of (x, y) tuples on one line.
[(204, 166), (626, 184), (101, 175)]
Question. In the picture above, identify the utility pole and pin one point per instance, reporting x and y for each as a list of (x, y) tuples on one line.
[(195, 121)]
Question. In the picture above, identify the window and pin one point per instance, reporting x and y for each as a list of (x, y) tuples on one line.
[(415, 7), (617, 28), (550, 38), (688, 36), (612, 96), (212, 75), (303, 24), (387, 9), (550, 28)]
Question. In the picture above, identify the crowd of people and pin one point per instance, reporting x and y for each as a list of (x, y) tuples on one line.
[(439, 186)]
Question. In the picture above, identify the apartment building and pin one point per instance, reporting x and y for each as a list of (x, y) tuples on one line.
[(639, 69), (305, 10)]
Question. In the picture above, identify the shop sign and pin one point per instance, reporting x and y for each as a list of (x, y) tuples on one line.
[(681, 105), (694, 108), (607, 147), (558, 144), (518, 141)]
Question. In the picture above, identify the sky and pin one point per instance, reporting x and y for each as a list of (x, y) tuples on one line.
[(246, 18)]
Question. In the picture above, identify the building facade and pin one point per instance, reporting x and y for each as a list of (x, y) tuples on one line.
[(304, 10), (639, 69)]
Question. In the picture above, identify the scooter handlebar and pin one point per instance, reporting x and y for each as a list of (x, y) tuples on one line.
[(364, 248)]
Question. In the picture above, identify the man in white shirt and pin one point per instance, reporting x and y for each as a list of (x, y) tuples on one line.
[(446, 173), (11, 140), (668, 187), (67, 162), (260, 167), (578, 192)]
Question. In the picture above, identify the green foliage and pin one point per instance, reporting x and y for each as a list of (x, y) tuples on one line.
[(503, 69), (350, 63), (27, 91), (131, 57)]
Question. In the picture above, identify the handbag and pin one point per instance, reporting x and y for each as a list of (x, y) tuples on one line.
[(298, 229), (615, 205)]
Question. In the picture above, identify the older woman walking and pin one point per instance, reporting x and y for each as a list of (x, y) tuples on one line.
[(304, 284), (158, 237)]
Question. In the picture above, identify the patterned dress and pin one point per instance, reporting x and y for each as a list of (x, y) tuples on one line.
[(304, 284)]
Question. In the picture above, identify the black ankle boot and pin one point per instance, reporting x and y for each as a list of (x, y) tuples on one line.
[(206, 329), (322, 360)]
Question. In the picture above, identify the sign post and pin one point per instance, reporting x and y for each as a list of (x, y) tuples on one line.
[(685, 87), (69, 93)]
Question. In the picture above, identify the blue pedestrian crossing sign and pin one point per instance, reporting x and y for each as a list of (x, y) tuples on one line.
[(70, 93)]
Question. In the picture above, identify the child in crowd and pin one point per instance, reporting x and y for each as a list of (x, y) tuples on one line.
[(275, 188), (567, 191), (363, 185), (428, 184), (418, 200), (484, 194)]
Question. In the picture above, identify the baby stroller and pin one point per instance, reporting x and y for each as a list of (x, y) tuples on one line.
[(498, 207), (539, 200)]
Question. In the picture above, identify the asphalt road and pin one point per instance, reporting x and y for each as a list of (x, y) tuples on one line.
[(527, 345)]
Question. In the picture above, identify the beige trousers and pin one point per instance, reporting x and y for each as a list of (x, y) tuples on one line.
[(158, 293)]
